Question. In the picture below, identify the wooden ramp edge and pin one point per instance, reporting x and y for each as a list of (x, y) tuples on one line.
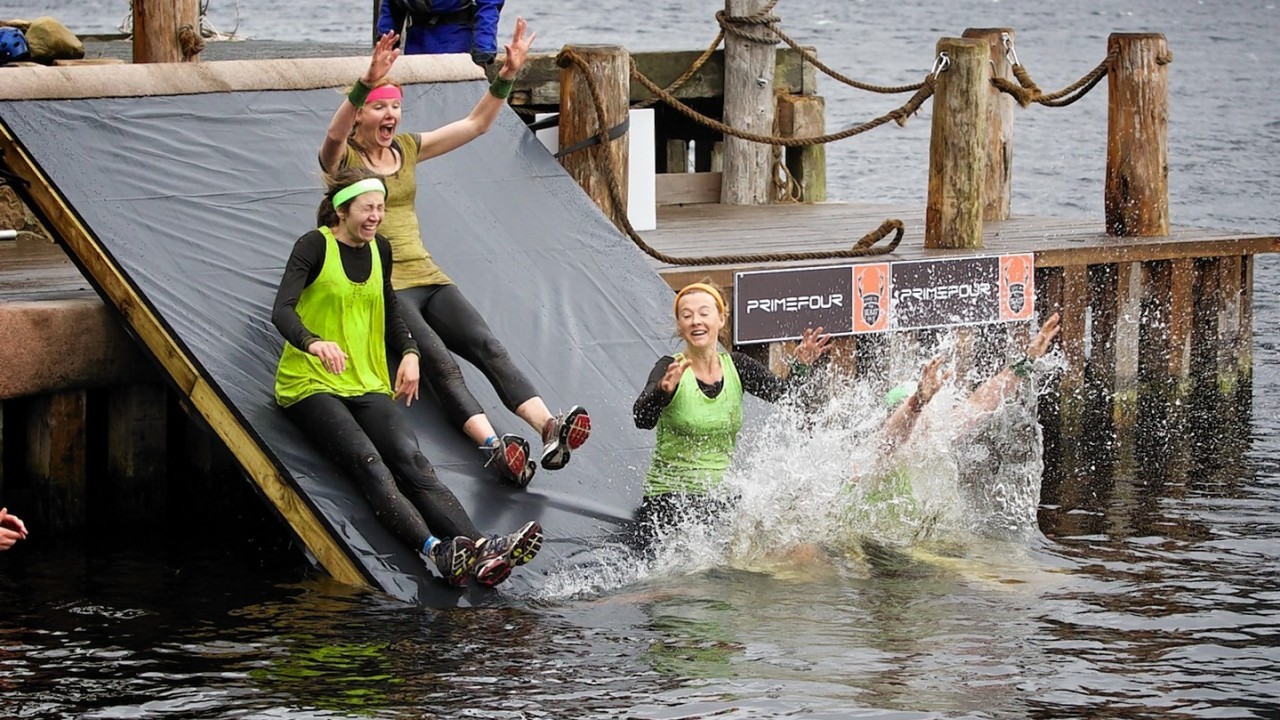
[(141, 80), (96, 264)]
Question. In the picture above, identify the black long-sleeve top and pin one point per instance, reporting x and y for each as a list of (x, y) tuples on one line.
[(756, 378), (302, 269)]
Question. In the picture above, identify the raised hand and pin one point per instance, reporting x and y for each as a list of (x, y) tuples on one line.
[(813, 343), (384, 56), (931, 379), (1039, 344), (672, 377), (517, 50)]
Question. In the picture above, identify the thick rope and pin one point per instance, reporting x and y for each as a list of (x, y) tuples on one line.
[(684, 77), (762, 24), (865, 246), (900, 115), (1027, 92)]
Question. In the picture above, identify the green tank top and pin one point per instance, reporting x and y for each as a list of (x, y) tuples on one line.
[(412, 265), (348, 313), (696, 435)]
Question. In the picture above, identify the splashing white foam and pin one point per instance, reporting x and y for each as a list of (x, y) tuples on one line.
[(813, 483)]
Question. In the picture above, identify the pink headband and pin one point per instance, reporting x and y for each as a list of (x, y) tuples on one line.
[(384, 92)]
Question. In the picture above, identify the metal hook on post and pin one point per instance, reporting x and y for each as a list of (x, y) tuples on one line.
[(941, 64), (1010, 54)]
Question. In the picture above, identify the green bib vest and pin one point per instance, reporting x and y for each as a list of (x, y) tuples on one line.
[(350, 314), (696, 435)]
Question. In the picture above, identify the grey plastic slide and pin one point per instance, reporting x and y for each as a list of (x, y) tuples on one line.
[(198, 199)]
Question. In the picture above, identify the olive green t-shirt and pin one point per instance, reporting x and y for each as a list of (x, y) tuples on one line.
[(412, 264)]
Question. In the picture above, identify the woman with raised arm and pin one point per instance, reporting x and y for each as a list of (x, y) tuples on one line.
[(365, 132), (694, 400)]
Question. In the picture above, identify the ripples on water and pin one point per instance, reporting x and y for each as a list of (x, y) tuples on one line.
[(1139, 587)]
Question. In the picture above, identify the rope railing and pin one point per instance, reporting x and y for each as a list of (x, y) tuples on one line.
[(763, 27), (899, 115), (1026, 92), (865, 246)]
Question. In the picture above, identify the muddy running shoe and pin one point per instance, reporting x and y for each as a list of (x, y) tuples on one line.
[(511, 455), (562, 434), (454, 559), (498, 554)]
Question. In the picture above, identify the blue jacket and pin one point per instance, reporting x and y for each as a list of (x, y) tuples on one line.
[(479, 38)]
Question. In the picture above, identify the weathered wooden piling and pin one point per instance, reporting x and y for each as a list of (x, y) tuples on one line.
[(999, 169), (55, 461), (958, 145), (593, 167), (1137, 181), (137, 452), (804, 116), (158, 30), (1115, 302), (748, 106)]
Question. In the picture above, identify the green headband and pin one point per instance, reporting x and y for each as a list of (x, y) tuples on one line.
[(899, 394), (358, 188)]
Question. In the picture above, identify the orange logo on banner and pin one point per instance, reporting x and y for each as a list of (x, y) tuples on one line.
[(1017, 287), (871, 297)]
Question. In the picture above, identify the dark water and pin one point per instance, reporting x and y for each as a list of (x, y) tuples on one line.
[(1150, 590)]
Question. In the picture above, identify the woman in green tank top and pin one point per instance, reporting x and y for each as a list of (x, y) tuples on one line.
[(694, 400), (337, 312)]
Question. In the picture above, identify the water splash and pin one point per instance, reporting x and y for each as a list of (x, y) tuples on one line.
[(811, 488)]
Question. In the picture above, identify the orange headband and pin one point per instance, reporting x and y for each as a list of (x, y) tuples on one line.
[(699, 287)]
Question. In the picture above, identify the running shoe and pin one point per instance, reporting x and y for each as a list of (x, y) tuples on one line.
[(454, 559), (562, 434), (498, 554), (511, 455)]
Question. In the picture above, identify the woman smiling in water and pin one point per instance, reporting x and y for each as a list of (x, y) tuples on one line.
[(694, 399)]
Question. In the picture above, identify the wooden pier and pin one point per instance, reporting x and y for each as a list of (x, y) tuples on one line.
[(1155, 318)]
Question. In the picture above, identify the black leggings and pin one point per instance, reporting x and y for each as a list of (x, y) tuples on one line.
[(442, 320), (659, 514), (368, 437)]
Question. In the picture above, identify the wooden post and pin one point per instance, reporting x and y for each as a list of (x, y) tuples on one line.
[(1113, 364), (715, 160), (137, 421), (1064, 410), (156, 24), (677, 156), (996, 182), (1137, 183), (1244, 356), (1231, 338), (803, 116), (1049, 285), (957, 146), (1164, 348), (594, 167), (748, 106), (1217, 336), (56, 460)]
